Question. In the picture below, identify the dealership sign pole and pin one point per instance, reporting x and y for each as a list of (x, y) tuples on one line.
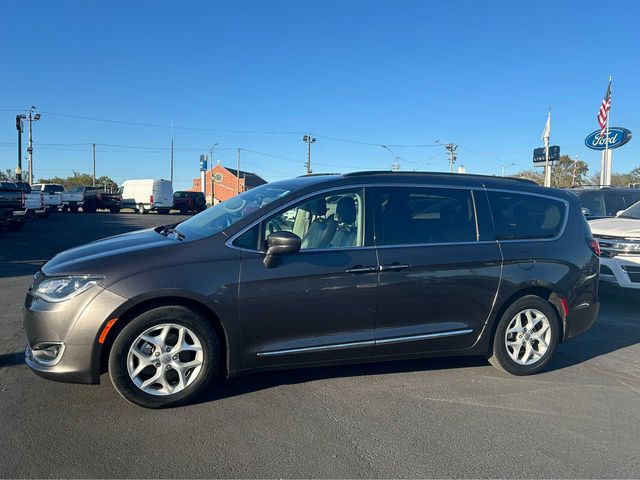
[(614, 137)]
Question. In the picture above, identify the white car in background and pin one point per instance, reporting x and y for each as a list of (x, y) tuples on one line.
[(619, 240)]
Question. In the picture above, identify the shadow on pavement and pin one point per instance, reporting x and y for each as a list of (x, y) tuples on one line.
[(261, 381), (11, 359)]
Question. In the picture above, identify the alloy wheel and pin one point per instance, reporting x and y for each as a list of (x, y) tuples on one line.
[(528, 337), (165, 359)]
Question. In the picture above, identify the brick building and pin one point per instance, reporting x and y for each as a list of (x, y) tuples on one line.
[(224, 183)]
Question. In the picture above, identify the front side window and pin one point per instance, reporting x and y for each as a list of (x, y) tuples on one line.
[(417, 215), (330, 220), (522, 216)]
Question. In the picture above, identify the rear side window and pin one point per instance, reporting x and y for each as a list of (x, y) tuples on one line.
[(523, 216), (594, 203), (615, 202), (416, 215)]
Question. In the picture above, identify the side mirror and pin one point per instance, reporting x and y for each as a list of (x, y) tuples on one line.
[(620, 212), (279, 243), (586, 212)]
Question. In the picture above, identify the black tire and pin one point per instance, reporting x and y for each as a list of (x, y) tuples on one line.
[(141, 210), (183, 211), (175, 314), (114, 210), (89, 208), (500, 357), (73, 208), (163, 211), (65, 208)]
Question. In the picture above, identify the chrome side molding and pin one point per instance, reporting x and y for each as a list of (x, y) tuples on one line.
[(365, 343)]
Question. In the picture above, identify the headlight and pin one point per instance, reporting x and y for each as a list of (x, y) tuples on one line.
[(59, 289)]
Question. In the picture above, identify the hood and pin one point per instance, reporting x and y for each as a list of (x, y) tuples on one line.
[(98, 256), (616, 227)]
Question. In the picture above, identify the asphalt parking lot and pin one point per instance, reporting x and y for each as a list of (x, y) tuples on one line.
[(454, 417)]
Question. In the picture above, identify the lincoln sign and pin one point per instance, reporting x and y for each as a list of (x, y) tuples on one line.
[(618, 136)]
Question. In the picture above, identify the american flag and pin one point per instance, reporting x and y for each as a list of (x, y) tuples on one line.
[(603, 114)]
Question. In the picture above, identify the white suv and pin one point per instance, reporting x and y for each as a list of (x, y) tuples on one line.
[(619, 240)]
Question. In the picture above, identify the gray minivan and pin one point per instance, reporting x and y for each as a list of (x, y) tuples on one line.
[(320, 270)]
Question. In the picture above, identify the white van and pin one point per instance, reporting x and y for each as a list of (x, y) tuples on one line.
[(146, 195)]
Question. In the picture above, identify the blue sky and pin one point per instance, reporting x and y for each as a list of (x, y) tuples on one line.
[(480, 74)]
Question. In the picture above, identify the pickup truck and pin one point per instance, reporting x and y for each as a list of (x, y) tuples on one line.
[(12, 212), (50, 195), (96, 198), (33, 202)]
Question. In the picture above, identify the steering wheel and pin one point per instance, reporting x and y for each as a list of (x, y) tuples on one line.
[(233, 209)]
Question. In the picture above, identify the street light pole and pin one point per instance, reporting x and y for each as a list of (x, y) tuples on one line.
[(503, 167), (395, 166)]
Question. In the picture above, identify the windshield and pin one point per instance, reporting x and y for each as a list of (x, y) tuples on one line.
[(215, 219), (632, 212)]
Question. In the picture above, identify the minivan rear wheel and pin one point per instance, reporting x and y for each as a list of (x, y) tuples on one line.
[(526, 336), (164, 357)]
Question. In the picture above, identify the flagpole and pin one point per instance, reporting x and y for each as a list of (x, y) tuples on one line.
[(607, 155), (547, 170)]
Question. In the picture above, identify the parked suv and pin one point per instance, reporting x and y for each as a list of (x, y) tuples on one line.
[(320, 270), (605, 202), (619, 240), (189, 202)]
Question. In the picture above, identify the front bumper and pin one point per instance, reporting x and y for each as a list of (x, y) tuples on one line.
[(76, 325), (621, 270)]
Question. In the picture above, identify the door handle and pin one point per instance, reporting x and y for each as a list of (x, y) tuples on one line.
[(394, 267), (361, 269)]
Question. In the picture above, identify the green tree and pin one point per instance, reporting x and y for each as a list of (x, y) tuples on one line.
[(81, 180), (568, 173), (533, 175)]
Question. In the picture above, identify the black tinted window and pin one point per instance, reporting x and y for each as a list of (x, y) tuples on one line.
[(615, 203), (594, 202), (414, 215), (518, 215)]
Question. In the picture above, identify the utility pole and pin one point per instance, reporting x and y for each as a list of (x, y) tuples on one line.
[(238, 171), (19, 119), (504, 167), (94, 164), (308, 139), (453, 156), (171, 162), (32, 118)]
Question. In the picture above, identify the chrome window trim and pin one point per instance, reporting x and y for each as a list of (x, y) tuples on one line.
[(365, 343), (229, 242)]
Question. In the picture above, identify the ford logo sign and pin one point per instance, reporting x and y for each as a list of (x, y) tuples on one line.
[(618, 136)]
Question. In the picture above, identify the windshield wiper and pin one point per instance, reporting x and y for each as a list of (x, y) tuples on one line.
[(171, 229)]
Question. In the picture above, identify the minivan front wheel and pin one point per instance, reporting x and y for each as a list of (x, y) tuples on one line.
[(164, 357), (526, 336)]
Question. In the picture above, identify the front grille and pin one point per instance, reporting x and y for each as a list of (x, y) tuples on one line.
[(612, 246)]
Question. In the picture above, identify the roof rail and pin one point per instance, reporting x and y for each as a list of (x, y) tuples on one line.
[(438, 174), (317, 174)]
